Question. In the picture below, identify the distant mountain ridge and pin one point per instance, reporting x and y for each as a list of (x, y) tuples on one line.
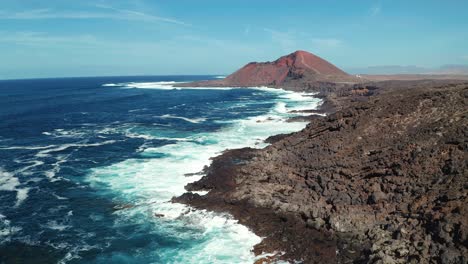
[(411, 69)]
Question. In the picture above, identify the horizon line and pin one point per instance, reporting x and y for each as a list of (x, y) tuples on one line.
[(107, 76)]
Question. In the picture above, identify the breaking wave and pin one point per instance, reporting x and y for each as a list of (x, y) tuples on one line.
[(102, 183)]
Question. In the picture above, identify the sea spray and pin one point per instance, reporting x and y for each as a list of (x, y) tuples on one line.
[(88, 179), (149, 185)]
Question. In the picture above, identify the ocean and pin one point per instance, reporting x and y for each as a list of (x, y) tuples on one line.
[(88, 167)]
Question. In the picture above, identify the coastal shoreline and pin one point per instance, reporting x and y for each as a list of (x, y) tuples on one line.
[(262, 220), (296, 229)]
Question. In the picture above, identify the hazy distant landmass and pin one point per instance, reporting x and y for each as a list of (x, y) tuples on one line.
[(411, 69)]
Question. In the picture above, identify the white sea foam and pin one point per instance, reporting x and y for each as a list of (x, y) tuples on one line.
[(162, 86), (303, 101), (45, 153), (73, 253), (151, 137), (21, 195), (54, 225), (62, 133), (137, 110), (11, 183), (59, 197), (26, 147), (45, 150), (191, 120), (34, 163), (143, 136), (8, 182), (56, 167), (151, 85), (6, 229), (280, 107), (150, 184), (144, 85)]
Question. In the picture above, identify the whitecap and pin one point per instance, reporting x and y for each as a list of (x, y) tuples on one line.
[(150, 184), (8, 182), (21, 195), (6, 229), (137, 110), (45, 153), (54, 225), (191, 120), (168, 85), (59, 197), (62, 133), (35, 163), (280, 107), (144, 85), (26, 147), (150, 137)]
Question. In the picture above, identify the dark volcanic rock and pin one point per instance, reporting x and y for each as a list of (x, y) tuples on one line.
[(302, 118), (275, 138), (382, 180)]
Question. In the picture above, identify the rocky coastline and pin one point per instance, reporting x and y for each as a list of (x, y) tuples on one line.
[(382, 178)]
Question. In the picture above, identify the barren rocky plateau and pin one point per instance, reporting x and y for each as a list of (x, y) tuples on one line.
[(382, 178)]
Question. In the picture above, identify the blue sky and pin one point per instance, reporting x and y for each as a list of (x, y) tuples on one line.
[(147, 37)]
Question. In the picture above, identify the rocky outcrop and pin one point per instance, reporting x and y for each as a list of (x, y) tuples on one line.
[(298, 69), (383, 179)]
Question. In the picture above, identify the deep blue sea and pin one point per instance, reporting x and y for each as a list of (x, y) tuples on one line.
[(88, 166)]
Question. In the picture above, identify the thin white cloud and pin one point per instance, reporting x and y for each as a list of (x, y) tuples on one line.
[(46, 41), (375, 10), (117, 14), (131, 14), (464, 57), (41, 38)]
